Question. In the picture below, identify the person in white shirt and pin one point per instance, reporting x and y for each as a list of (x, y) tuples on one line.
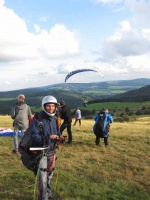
[(77, 116)]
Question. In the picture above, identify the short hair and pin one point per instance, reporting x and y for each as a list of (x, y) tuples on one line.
[(21, 97), (105, 110)]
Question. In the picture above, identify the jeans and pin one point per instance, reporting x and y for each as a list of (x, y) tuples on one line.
[(16, 131)]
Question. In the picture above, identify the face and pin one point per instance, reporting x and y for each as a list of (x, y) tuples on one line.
[(50, 108)]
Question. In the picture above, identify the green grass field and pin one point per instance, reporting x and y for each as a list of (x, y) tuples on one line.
[(117, 105), (84, 171)]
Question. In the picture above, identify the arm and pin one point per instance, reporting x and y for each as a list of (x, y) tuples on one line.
[(12, 113), (29, 112), (110, 118), (96, 117)]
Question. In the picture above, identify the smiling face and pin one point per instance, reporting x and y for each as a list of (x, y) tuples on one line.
[(50, 108)]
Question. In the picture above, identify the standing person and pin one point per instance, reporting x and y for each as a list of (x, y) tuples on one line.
[(101, 127), (77, 116), (20, 113), (50, 132), (65, 114)]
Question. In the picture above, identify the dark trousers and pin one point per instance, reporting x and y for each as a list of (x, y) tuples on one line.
[(76, 121), (68, 126), (97, 141)]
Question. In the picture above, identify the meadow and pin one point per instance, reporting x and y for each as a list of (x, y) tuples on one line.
[(83, 170)]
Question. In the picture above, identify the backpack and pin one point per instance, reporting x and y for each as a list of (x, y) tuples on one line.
[(30, 159), (100, 125), (25, 142)]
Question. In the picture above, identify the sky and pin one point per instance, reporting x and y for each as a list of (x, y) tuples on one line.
[(41, 41)]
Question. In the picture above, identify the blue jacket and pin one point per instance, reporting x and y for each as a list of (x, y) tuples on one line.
[(49, 128), (108, 119)]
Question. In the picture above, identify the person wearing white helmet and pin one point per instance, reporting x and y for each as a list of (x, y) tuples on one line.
[(49, 133)]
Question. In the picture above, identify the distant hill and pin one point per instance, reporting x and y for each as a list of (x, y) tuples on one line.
[(76, 93), (91, 90), (101, 89), (139, 95)]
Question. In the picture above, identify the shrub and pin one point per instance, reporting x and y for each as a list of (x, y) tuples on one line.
[(146, 112), (132, 118), (88, 117), (139, 112), (126, 118), (127, 109), (130, 113), (119, 119)]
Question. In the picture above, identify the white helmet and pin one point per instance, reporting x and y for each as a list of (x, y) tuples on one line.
[(49, 99)]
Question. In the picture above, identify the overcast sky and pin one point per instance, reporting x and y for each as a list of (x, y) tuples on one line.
[(41, 41)]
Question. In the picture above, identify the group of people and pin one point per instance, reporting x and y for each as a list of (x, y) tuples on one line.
[(51, 110)]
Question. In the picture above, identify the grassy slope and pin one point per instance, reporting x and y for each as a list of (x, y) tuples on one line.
[(83, 170)]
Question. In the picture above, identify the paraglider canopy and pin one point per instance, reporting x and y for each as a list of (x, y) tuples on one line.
[(78, 71)]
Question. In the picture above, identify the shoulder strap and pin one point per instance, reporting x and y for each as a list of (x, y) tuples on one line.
[(38, 116)]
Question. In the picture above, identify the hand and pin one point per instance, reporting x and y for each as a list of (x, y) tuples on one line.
[(54, 137), (62, 138)]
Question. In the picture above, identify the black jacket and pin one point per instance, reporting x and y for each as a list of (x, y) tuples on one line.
[(65, 114)]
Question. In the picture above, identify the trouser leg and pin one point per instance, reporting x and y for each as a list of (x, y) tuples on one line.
[(97, 140), (62, 127), (49, 189), (16, 130), (51, 166), (80, 122), (68, 126), (106, 141), (69, 132), (75, 122)]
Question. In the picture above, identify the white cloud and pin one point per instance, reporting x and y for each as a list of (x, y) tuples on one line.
[(17, 43), (45, 56), (58, 42), (128, 49), (2, 2), (127, 42), (140, 10), (37, 28), (24, 56), (7, 82)]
